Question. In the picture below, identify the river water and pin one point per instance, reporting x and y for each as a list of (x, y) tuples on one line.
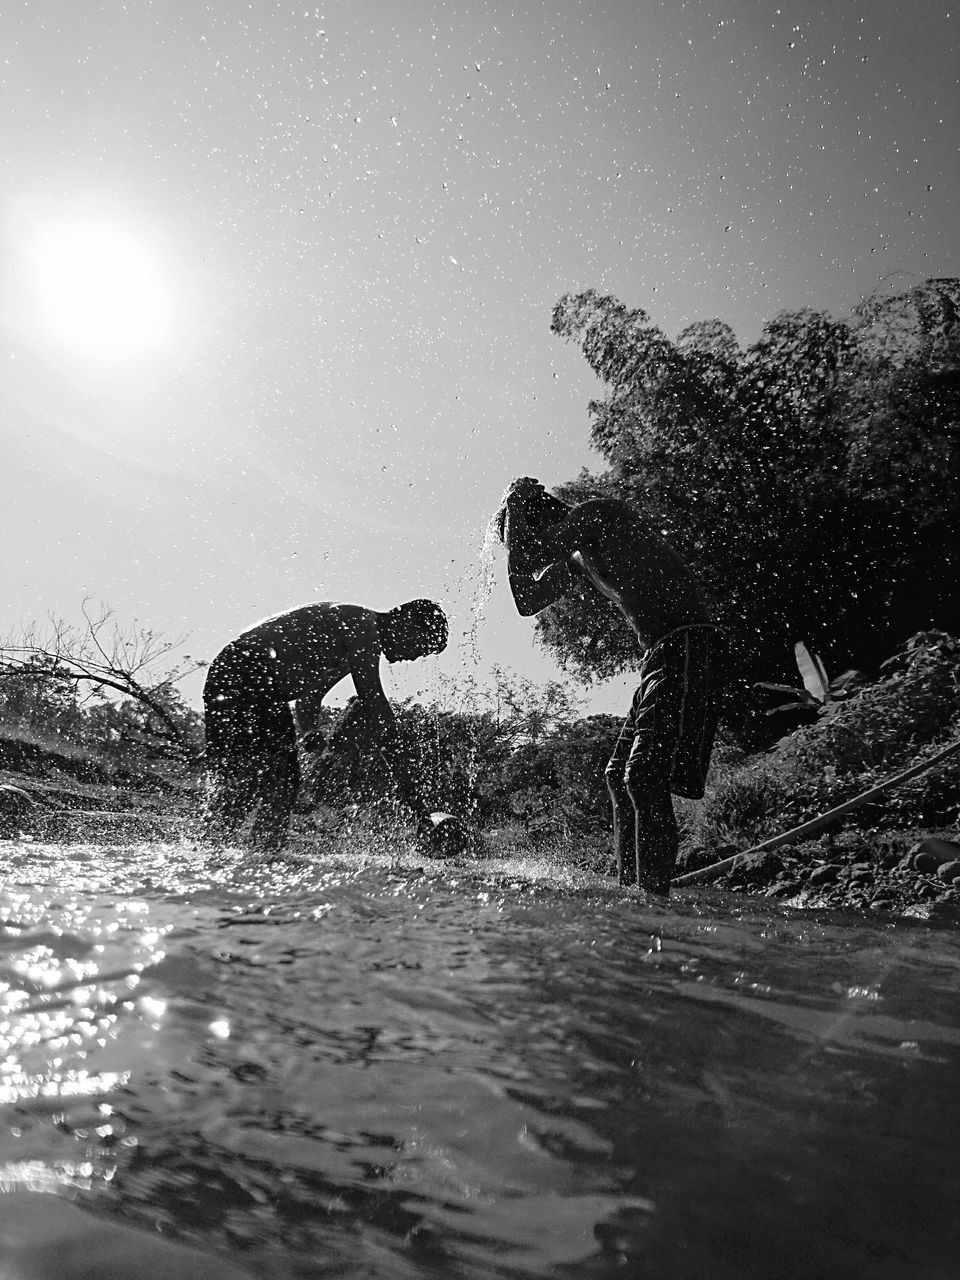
[(375, 1067)]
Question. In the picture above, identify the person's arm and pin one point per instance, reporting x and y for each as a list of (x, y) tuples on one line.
[(363, 655), (376, 727), (537, 567)]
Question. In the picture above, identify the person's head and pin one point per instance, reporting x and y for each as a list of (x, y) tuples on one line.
[(530, 497), (413, 630)]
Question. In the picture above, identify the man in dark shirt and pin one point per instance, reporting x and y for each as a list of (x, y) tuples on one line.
[(667, 737), (292, 661)]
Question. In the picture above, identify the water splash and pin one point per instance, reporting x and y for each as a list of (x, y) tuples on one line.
[(483, 588)]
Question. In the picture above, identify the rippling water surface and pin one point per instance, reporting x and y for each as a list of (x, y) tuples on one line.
[(367, 1068)]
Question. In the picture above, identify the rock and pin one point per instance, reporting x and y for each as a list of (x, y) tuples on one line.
[(755, 870), (940, 850), (693, 857), (860, 871), (949, 871), (926, 862), (784, 886), (826, 874)]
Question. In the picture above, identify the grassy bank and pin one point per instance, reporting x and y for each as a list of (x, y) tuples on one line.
[(53, 788)]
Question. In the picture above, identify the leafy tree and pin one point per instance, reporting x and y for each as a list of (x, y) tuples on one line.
[(811, 479), (135, 725), (557, 785), (37, 694)]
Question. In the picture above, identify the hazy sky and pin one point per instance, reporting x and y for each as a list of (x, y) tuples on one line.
[(277, 279)]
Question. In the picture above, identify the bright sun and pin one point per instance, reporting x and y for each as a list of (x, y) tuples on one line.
[(101, 290)]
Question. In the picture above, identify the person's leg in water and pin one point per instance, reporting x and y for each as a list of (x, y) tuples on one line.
[(227, 804), (615, 775), (246, 728), (277, 779), (230, 731), (656, 839), (645, 835)]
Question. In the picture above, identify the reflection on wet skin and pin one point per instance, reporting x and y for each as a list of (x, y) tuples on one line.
[(392, 1070)]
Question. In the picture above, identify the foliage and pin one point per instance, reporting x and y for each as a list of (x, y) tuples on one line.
[(556, 786), (463, 746), (511, 751), (811, 479), (743, 806), (912, 711), (135, 725), (915, 705), (36, 692), (818, 691)]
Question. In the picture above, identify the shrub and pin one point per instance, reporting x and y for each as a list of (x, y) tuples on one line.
[(907, 715)]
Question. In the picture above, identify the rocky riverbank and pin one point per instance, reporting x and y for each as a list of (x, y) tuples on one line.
[(880, 766), (914, 872)]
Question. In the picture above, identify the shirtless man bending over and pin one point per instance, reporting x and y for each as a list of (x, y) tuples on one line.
[(666, 739), (294, 660)]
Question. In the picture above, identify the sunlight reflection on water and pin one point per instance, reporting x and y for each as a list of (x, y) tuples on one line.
[(379, 1065)]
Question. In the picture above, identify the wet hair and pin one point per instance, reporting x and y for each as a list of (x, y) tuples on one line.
[(427, 618), (539, 506)]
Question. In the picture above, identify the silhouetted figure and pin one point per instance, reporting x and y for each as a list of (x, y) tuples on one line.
[(667, 737), (292, 661)]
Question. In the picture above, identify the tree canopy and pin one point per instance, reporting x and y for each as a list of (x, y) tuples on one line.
[(810, 478)]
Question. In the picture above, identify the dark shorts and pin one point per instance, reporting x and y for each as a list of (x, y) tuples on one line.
[(669, 731), (244, 712)]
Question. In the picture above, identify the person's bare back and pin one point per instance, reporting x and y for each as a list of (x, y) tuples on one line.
[(618, 552), (312, 648)]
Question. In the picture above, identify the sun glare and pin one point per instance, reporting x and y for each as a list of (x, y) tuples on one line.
[(101, 291)]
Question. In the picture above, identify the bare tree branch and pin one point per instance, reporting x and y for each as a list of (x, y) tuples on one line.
[(103, 655)]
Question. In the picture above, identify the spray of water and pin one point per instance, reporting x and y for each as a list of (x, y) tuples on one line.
[(459, 693), (483, 586)]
